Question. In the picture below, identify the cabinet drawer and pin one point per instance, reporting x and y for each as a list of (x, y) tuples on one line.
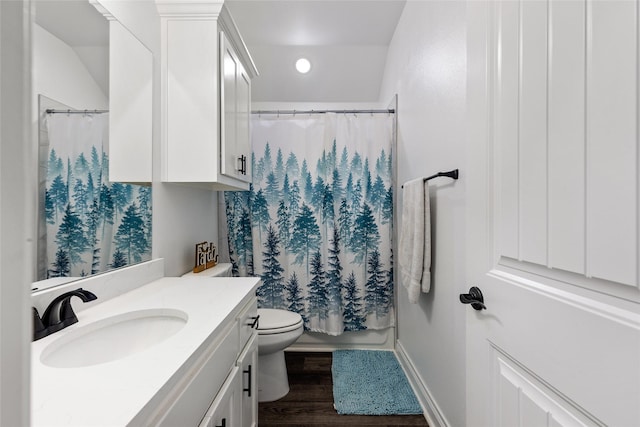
[(248, 322), (201, 384)]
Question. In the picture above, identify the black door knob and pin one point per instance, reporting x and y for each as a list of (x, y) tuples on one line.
[(474, 297)]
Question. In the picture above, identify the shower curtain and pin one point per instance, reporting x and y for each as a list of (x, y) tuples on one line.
[(316, 225), (92, 224)]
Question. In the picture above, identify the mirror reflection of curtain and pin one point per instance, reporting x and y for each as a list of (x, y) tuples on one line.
[(317, 223), (92, 224)]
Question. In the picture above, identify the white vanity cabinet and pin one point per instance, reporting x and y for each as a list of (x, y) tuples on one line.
[(220, 388), (206, 77), (236, 404)]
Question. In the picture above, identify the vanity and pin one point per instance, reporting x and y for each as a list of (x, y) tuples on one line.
[(172, 352)]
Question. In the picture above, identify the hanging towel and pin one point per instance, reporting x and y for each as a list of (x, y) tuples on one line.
[(415, 239)]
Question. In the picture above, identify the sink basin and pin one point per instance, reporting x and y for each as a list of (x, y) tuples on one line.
[(113, 338)]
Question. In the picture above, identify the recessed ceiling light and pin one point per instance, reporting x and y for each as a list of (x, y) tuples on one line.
[(303, 65)]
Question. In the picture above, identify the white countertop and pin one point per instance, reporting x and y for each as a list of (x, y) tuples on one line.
[(113, 393)]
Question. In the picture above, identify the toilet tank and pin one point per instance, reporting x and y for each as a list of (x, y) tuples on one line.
[(220, 270)]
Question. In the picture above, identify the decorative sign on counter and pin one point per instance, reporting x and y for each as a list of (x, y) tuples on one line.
[(206, 256)]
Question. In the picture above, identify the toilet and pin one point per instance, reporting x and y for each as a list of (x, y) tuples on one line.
[(277, 330)]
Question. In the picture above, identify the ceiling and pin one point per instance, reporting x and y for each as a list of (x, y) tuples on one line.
[(76, 22), (346, 42), (83, 28)]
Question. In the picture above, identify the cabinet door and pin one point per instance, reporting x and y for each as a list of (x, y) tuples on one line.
[(248, 363), (225, 409), (235, 105), (130, 106), (243, 121)]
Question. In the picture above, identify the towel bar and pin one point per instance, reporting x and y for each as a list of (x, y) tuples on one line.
[(451, 174)]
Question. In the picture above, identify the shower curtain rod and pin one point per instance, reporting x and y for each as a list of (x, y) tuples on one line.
[(52, 111), (294, 112)]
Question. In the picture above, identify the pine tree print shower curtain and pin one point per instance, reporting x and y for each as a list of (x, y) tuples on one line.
[(317, 223), (92, 224)]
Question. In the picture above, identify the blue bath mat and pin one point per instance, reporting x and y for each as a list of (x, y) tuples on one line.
[(370, 382)]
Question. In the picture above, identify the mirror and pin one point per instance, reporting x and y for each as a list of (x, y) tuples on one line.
[(87, 224)]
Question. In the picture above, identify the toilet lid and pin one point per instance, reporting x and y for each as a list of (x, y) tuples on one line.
[(274, 321)]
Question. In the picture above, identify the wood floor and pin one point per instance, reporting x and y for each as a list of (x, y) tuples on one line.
[(310, 401)]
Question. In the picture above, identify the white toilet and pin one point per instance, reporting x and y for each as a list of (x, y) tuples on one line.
[(277, 330)]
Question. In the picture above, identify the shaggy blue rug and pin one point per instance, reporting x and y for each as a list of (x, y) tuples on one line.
[(371, 382)]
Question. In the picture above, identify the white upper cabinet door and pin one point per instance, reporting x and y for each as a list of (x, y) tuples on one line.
[(130, 106), (243, 119), (235, 102)]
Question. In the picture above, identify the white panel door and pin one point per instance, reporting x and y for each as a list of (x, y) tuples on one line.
[(552, 202)]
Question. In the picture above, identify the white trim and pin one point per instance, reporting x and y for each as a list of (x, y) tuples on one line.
[(612, 313), (432, 412), (545, 396), (614, 293)]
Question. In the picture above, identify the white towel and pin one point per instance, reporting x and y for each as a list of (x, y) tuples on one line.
[(415, 239)]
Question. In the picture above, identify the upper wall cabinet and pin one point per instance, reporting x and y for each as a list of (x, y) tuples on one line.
[(206, 97), (130, 94), (130, 107)]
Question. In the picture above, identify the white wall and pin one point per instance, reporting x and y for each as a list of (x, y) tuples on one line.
[(17, 216), (426, 67), (58, 73)]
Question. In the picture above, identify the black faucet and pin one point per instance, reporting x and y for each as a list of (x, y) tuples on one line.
[(59, 314)]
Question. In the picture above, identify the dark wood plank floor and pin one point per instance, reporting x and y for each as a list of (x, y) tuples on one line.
[(310, 401)]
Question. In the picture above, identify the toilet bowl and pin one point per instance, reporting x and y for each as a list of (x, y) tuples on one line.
[(277, 330)]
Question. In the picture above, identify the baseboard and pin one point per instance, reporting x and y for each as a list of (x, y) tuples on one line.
[(432, 412), (364, 340)]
